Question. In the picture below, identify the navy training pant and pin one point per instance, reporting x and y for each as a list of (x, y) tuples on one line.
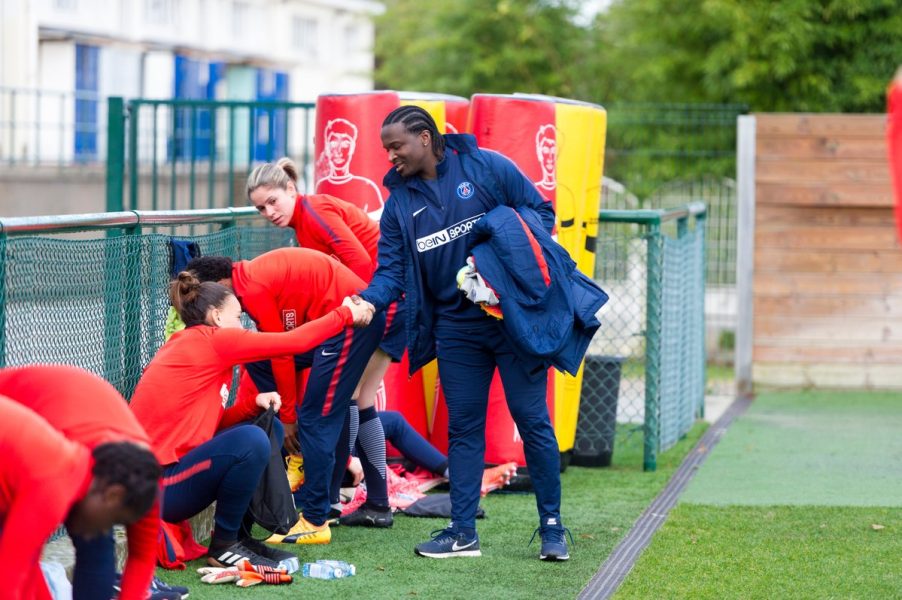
[(335, 370), (467, 356), (226, 469)]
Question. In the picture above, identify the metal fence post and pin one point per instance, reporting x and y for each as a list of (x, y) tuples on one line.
[(2, 298), (701, 223), (745, 251), (654, 285), (115, 153)]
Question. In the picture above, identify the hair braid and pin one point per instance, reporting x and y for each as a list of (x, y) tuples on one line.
[(415, 120)]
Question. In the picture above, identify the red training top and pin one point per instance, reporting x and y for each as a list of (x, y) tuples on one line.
[(284, 288), (180, 397), (42, 475), (88, 410), (334, 226)]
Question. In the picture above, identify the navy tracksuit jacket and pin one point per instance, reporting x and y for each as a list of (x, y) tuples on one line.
[(424, 233)]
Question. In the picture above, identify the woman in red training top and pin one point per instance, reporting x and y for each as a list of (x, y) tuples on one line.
[(46, 480), (279, 290), (180, 401), (334, 226), (86, 409)]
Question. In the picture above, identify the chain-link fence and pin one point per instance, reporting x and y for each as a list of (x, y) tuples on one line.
[(100, 302), (645, 369), (663, 155)]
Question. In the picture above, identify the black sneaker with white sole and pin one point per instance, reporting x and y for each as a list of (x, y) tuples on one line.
[(232, 555), (287, 560), (368, 516)]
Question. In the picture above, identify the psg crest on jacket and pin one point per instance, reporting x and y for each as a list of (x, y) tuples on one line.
[(464, 190)]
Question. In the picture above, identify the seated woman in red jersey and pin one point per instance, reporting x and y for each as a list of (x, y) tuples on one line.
[(47, 479), (86, 409), (337, 227), (281, 290), (180, 402)]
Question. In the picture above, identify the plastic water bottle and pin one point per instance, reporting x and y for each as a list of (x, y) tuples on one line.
[(349, 569), (320, 571)]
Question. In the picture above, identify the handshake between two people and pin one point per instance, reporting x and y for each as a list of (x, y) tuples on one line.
[(361, 310)]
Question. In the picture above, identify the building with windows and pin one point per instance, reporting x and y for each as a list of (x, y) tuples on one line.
[(61, 59)]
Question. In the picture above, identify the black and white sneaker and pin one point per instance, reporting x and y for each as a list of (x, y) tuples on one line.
[(368, 516), (232, 555), (286, 560)]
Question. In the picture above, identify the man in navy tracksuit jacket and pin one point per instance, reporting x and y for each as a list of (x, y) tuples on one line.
[(440, 186)]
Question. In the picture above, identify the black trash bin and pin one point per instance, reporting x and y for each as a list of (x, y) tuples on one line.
[(597, 422)]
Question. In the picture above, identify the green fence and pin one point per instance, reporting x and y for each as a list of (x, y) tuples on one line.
[(91, 290), (189, 154), (645, 369), (99, 301), (666, 155)]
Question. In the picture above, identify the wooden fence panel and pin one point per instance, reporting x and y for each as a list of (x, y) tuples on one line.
[(828, 263)]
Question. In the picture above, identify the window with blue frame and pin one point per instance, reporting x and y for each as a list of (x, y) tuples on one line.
[(193, 126), (270, 124), (87, 69)]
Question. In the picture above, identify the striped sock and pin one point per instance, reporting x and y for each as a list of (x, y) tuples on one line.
[(371, 450)]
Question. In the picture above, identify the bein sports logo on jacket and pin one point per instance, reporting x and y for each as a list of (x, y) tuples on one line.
[(444, 236)]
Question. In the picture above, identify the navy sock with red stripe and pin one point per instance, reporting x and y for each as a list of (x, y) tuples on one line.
[(371, 450)]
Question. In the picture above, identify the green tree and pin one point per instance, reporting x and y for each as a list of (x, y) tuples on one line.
[(773, 55), (468, 46)]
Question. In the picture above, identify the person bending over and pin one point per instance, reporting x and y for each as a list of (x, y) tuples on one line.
[(180, 402), (46, 480)]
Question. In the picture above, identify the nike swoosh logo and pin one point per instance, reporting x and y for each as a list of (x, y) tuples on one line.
[(329, 353), (418, 211), (456, 548)]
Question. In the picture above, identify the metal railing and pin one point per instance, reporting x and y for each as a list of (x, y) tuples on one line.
[(51, 128), (188, 154)]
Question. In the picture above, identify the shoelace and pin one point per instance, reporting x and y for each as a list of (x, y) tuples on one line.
[(557, 534), (436, 534)]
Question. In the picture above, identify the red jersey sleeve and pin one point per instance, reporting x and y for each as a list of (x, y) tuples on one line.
[(237, 346), (142, 557), (340, 239)]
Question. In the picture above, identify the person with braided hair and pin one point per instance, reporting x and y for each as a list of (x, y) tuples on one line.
[(47, 479), (180, 400), (441, 185)]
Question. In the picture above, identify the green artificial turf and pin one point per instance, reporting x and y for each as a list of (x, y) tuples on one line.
[(802, 498), (821, 448), (723, 552), (599, 506)]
